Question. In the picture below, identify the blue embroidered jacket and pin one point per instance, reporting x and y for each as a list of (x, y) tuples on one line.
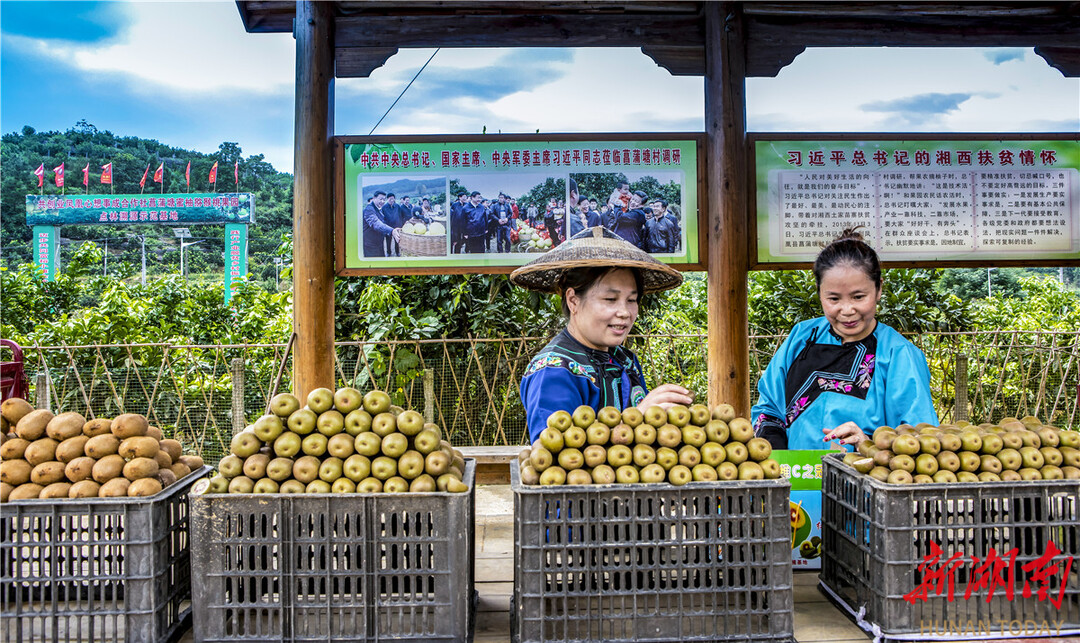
[(815, 382), (566, 374)]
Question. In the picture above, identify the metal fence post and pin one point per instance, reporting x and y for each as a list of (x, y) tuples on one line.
[(238, 421), (41, 391), (960, 407), (429, 395)]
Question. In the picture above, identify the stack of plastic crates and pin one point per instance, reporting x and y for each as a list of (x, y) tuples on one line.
[(706, 561), (96, 569), (334, 567), (942, 561)]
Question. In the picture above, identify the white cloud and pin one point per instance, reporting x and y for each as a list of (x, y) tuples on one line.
[(824, 89), (198, 47), (604, 90)]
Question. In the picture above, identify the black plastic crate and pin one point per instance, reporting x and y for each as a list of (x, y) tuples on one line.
[(96, 569), (876, 535), (334, 567), (707, 561)]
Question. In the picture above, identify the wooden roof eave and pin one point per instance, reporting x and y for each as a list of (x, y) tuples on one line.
[(366, 34)]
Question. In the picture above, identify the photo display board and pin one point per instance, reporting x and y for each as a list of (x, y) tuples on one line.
[(918, 198), (521, 198)]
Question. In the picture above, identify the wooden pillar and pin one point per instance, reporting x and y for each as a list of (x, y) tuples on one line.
[(725, 148), (313, 203)]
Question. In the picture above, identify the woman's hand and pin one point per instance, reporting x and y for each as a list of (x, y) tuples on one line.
[(665, 396), (846, 433)]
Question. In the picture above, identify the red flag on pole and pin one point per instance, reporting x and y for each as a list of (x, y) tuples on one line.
[(187, 174), (106, 174), (236, 173), (159, 174), (142, 183), (59, 178), (213, 173), (86, 175), (40, 172)]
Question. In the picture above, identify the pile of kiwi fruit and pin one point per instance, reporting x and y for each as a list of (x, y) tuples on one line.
[(338, 442), (66, 456), (1012, 450), (676, 445)]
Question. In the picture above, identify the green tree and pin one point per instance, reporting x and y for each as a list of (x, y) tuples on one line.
[(972, 283), (542, 193)]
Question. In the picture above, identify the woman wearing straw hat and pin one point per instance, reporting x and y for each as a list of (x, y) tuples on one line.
[(601, 279)]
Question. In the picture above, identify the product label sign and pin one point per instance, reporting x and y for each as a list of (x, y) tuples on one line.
[(803, 469)]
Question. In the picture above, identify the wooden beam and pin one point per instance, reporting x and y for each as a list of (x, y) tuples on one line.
[(725, 134), (538, 30), (359, 62), (679, 60), (1064, 59), (313, 205)]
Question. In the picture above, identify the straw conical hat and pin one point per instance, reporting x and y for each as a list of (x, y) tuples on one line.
[(589, 248)]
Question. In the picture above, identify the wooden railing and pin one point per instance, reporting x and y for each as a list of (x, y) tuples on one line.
[(203, 394)]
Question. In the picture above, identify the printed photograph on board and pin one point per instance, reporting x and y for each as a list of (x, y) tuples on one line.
[(501, 213), (403, 216), (644, 208)]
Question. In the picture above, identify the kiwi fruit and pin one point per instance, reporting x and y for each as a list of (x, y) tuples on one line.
[(154, 432), (5, 490), (108, 468), (166, 477), (14, 409), (13, 448), (172, 447), (26, 491), (291, 486), (115, 488), (180, 470), (15, 472), (129, 425), (139, 468), (193, 462), (47, 473), (71, 448), (141, 446), (64, 426), (99, 426), (100, 446), (84, 489), (41, 450), (163, 460), (243, 484), (32, 425), (255, 466), (56, 490), (79, 469)]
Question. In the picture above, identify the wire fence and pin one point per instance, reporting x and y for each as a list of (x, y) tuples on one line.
[(203, 394)]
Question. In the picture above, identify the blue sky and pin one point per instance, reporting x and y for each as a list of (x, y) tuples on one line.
[(187, 74)]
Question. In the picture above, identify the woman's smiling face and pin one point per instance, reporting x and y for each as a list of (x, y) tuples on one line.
[(849, 298), (603, 316)]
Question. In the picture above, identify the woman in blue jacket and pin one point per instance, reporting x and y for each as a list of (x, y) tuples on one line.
[(842, 375), (601, 279)]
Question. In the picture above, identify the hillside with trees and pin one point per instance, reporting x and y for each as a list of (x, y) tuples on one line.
[(84, 144), (86, 304)]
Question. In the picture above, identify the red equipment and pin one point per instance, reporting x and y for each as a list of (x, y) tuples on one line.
[(12, 374)]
